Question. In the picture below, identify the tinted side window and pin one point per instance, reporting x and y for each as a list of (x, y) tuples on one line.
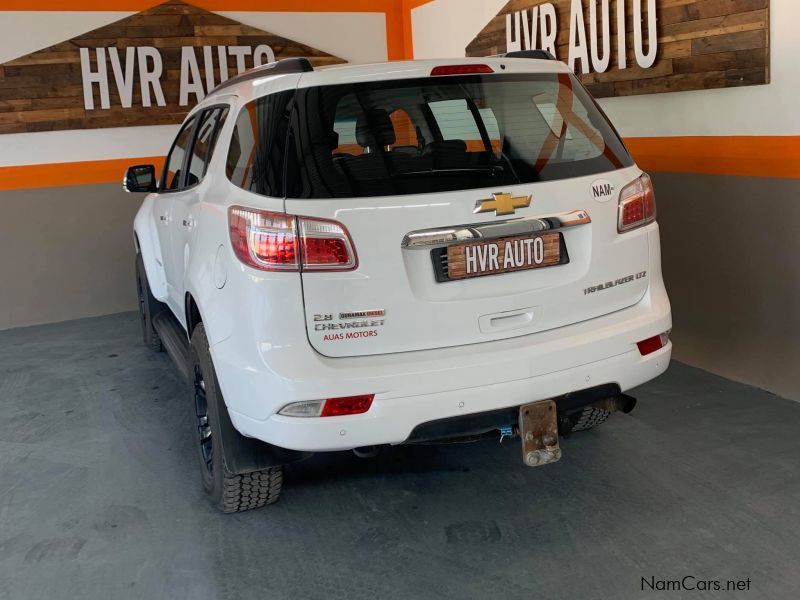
[(204, 141), (258, 146), (171, 179)]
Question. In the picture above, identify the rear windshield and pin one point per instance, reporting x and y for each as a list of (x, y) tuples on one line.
[(417, 136), (421, 135)]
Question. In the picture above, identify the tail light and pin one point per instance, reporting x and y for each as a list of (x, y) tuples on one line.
[(332, 407), (264, 240), (461, 70), (273, 241), (637, 204), (326, 245)]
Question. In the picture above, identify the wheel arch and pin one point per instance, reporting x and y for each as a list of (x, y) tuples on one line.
[(192, 314), (241, 454)]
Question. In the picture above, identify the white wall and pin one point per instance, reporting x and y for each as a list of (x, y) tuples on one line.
[(355, 37), (23, 32), (443, 28)]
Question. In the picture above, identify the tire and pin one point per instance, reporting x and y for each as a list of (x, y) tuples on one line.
[(229, 492), (149, 307), (589, 417)]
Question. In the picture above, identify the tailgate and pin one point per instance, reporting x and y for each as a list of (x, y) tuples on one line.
[(397, 300)]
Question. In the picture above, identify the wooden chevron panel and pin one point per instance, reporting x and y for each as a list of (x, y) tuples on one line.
[(44, 91)]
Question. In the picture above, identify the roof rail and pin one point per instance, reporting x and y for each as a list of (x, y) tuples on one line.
[(279, 67), (540, 54)]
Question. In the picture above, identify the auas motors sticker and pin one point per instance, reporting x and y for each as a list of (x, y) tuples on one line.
[(350, 325), (602, 190)]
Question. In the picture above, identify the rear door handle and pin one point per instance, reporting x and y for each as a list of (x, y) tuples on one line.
[(513, 319)]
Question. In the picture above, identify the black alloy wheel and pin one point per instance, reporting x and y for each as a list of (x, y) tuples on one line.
[(204, 436)]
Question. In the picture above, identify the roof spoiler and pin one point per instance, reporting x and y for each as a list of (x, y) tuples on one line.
[(538, 54), (279, 67)]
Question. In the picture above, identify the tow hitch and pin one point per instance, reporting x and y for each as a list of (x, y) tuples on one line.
[(538, 428)]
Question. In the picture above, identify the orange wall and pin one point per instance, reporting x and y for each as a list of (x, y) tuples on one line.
[(777, 157), (754, 156)]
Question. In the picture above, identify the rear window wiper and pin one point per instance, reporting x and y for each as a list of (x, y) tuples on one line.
[(491, 171)]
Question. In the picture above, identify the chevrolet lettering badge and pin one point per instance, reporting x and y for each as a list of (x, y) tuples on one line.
[(502, 204)]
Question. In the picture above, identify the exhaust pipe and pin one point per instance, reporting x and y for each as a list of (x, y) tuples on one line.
[(621, 402), (366, 451), (625, 403)]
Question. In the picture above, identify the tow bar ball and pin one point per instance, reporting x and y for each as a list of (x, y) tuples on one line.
[(550, 453), (538, 426)]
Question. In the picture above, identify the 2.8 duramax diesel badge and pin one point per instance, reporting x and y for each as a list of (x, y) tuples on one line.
[(356, 256)]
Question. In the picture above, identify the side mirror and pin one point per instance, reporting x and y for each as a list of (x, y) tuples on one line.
[(140, 178)]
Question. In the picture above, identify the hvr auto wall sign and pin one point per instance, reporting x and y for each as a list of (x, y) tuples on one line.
[(626, 47)]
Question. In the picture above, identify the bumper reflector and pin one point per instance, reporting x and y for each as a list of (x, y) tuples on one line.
[(350, 405), (650, 345), (332, 407)]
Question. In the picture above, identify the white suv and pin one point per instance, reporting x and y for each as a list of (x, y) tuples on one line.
[(408, 252)]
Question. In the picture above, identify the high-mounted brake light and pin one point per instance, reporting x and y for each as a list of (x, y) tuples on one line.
[(461, 70), (273, 241), (332, 407), (637, 204)]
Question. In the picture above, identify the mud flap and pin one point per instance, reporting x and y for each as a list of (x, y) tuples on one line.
[(538, 428)]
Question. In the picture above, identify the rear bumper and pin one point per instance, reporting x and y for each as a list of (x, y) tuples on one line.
[(417, 387), (391, 421)]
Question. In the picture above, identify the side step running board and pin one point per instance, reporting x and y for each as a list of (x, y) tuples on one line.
[(173, 337)]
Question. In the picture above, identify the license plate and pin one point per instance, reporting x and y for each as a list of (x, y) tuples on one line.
[(504, 255)]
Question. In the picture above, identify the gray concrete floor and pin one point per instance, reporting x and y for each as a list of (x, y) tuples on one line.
[(99, 497)]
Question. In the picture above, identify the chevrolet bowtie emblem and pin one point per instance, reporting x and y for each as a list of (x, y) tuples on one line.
[(502, 204)]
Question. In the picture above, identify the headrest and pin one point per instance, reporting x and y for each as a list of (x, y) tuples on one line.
[(446, 146), (333, 139), (375, 128), (326, 140)]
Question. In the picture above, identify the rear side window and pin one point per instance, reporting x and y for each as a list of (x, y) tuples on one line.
[(171, 179), (204, 141), (257, 151), (447, 133)]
